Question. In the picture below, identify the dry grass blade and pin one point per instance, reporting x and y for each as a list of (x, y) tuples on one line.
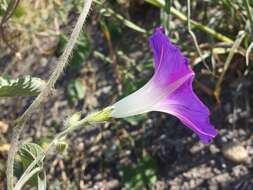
[(7, 15), (235, 46), (248, 57), (9, 12), (194, 37)]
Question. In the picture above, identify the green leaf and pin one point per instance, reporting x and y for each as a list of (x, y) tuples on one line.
[(129, 86), (27, 153), (75, 90), (81, 51), (1, 11), (134, 120), (19, 11), (44, 142), (23, 86), (141, 175)]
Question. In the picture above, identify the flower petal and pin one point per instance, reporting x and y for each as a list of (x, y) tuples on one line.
[(144, 99), (184, 104), (170, 64)]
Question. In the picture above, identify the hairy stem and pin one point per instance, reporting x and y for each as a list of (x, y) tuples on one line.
[(30, 171), (63, 61)]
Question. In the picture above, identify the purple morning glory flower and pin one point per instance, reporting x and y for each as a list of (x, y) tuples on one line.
[(169, 90)]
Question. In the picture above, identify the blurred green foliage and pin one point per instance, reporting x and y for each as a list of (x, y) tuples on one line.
[(18, 12), (75, 90), (140, 176)]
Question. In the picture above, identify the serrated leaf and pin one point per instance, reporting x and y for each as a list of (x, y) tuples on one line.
[(23, 86), (27, 153)]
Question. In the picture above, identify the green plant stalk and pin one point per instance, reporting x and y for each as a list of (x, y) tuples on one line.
[(128, 23), (29, 172), (248, 9), (100, 116), (62, 63), (22, 182), (181, 16), (166, 16)]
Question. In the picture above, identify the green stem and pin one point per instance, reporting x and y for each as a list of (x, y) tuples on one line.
[(166, 16), (22, 181), (59, 69), (248, 9), (29, 172), (181, 16), (100, 116), (126, 22)]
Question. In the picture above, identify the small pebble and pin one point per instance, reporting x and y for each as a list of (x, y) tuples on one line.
[(235, 152)]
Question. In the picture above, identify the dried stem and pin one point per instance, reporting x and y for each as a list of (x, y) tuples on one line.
[(248, 57), (13, 4), (193, 35), (63, 61), (235, 46), (9, 12)]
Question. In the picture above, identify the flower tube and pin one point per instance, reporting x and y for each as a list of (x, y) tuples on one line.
[(169, 90)]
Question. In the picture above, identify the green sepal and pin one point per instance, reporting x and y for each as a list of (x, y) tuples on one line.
[(100, 116), (61, 146)]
